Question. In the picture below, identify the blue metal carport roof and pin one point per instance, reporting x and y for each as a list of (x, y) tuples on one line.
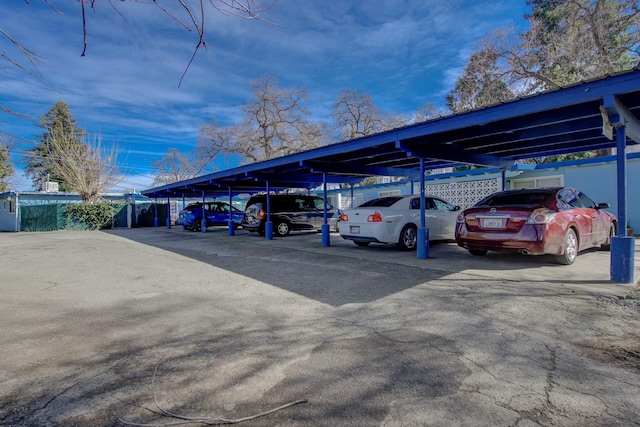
[(562, 121), (567, 120)]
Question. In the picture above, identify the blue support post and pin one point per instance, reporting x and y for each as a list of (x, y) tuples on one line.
[(184, 227), (326, 234), (422, 243), (268, 225), (169, 213), (351, 186), (503, 179), (203, 221), (622, 246), (231, 224), (156, 220)]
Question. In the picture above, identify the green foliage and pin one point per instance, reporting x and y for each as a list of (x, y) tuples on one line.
[(40, 163), (92, 216), (568, 41), (6, 167)]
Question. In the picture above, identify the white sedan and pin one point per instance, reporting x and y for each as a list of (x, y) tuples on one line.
[(395, 219)]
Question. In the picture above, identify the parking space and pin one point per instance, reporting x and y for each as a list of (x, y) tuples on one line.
[(95, 323)]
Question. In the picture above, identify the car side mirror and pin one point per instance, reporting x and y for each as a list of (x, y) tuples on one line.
[(603, 206)]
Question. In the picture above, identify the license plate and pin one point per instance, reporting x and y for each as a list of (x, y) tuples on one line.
[(492, 223), (355, 229)]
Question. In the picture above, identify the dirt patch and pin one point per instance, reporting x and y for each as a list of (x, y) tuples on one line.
[(623, 351)]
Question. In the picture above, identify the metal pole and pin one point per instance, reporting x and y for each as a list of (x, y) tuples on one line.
[(268, 225), (422, 243), (622, 246), (203, 221), (169, 213), (231, 224), (326, 233)]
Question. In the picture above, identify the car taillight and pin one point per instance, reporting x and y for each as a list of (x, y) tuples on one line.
[(460, 218), (344, 217), (262, 214), (540, 216), (375, 217)]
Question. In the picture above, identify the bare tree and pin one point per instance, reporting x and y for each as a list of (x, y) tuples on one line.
[(355, 115), (275, 123), (428, 111), (88, 168), (177, 166)]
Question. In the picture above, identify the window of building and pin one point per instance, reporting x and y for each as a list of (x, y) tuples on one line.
[(389, 193), (543, 181)]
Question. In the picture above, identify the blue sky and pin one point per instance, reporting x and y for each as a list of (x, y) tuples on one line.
[(404, 53)]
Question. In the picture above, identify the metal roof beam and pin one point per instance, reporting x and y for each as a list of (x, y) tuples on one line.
[(442, 152), (619, 115), (360, 170)]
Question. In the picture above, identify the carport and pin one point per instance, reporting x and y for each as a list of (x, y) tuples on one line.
[(593, 115)]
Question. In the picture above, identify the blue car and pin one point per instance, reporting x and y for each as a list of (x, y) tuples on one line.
[(216, 213)]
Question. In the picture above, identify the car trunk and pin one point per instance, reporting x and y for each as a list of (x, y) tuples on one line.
[(488, 220)]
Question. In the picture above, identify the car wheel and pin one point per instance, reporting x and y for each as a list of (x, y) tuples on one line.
[(607, 246), (478, 252), (282, 229), (408, 238), (197, 226), (337, 227), (363, 244), (570, 249)]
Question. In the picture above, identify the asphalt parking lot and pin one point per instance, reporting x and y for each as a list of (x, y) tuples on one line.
[(115, 327)]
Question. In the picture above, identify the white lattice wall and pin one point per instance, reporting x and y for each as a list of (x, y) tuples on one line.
[(464, 193)]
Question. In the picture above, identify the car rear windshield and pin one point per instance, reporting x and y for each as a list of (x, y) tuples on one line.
[(511, 199), (383, 202)]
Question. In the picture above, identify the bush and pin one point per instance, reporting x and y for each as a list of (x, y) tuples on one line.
[(90, 215)]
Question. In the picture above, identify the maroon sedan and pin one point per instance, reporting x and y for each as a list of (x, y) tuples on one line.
[(556, 221)]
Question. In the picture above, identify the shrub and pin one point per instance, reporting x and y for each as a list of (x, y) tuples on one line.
[(90, 215)]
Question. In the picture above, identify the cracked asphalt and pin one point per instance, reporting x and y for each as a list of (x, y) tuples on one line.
[(116, 327)]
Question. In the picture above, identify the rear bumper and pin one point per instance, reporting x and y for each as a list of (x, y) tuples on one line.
[(532, 239)]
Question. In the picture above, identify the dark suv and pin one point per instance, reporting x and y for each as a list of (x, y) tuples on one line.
[(289, 212)]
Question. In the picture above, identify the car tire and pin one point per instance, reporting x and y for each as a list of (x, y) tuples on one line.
[(363, 244), (337, 227), (478, 252), (282, 228), (607, 246), (197, 226), (408, 238), (570, 249)]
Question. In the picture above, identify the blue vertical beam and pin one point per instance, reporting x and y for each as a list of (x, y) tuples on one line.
[(169, 212), (268, 225), (203, 222), (622, 246), (503, 179), (422, 243), (412, 182), (231, 225), (184, 227), (156, 220), (326, 239), (351, 186)]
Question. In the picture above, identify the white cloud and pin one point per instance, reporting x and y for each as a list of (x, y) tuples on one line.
[(403, 52)]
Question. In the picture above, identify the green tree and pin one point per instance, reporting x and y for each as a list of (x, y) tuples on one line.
[(481, 84), (43, 158), (567, 41), (6, 166)]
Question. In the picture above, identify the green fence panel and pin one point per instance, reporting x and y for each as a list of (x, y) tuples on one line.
[(40, 218), (120, 215)]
